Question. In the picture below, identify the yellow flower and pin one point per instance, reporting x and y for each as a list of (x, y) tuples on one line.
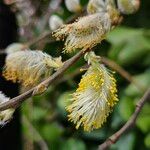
[(85, 33), (94, 99), (29, 67), (5, 115)]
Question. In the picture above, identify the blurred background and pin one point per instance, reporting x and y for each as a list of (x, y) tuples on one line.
[(41, 122)]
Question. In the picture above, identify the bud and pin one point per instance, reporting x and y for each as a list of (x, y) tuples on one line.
[(96, 6), (73, 5), (128, 6), (55, 22), (29, 67), (6, 115), (14, 47)]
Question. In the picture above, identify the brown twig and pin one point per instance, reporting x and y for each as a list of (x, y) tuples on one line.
[(15, 102), (129, 124)]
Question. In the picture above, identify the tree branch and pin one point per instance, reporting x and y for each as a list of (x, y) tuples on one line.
[(15, 102), (129, 124)]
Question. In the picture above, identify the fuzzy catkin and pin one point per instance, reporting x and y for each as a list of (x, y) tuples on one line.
[(29, 67), (94, 98), (85, 33)]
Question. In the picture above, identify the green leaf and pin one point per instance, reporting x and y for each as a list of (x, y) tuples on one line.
[(116, 118), (95, 134), (143, 80), (147, 141), (122, 34), (146, 61), (63, 101), (115, 50), (126, 107), (39, 113), (128, 45), (73, 144), (51, 132), (126, 142), (134, 50)]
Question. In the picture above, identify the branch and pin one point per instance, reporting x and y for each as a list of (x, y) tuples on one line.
[(129, 124), (15, 102)]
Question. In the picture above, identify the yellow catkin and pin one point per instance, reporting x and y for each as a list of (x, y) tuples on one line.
[(85, 33), (93, 100), (29, 67)]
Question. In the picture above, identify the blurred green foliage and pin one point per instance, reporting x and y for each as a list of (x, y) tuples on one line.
[(129, 46)]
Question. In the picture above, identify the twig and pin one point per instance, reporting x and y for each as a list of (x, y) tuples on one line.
[(15, 102), (37, 137), (121, 71), (129, 124)]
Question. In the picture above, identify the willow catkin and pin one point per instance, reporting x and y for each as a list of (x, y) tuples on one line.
[(93, 101), (29, 67), (85, 33)]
